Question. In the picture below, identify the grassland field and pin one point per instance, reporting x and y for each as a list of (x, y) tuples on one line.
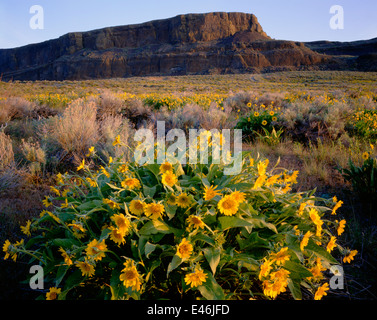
[(316, 122)]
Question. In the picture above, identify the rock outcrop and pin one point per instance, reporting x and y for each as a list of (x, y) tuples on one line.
[(187, 44)]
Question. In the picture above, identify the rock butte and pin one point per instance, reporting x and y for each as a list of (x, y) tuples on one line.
[(212, 43)]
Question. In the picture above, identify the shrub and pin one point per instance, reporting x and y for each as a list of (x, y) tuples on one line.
[(308, 121), (76, 130), (35, 155), (255, 123), (138, 113), (363, 178), (109, 128), (6, 151), (15, 108), (109, 104), (193, 116), (364, 124), (172, 231)]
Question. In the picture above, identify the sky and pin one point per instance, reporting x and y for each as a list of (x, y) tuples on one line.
[(298, 20)]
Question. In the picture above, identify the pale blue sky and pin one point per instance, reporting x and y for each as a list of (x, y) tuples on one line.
[(300, 20)]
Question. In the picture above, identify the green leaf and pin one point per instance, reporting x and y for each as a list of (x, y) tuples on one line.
[(259, 222), (211, 290), (89, 205), (154, 227), (74, 279), (298, 269), (65, 243), (294, 287), (175, 262), (213, 257), (149, 248), (114, 187), (157, 226), (320, 252), (203, 237), (233, 222), (62, 270), (149, 191)]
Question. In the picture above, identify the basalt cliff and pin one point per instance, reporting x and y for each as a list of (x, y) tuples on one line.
[(212, 43)]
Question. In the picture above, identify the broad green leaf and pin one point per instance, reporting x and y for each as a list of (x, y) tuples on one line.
[(232, 222), (298, 269), (259, 222), (203, 237), (175, 262), (320, 252), (149, 191), (213, 257), (294, 287), (89, 205), (211, 290), (62, 270), (73, 280), (65, 243), (149, 248), (154, 227), (157, 226)]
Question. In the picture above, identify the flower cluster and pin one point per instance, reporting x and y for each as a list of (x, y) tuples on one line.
[(126, 231)]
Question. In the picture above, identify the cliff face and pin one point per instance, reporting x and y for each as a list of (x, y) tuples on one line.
[(187, 44)]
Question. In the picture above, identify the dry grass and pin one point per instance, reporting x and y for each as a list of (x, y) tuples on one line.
[(77, 129), (6, 151), (109, 128)]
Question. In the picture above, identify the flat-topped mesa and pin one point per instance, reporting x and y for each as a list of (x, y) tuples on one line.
[(189, 28), (210, 43)]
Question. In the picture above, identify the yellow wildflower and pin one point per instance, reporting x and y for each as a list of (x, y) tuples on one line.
[(117, 236), (350, 256), (96, 250), (184, 249), (265, 268), (130, 276), (210, 193), (305, 240), (166, 166), (26, 229), (281, 256), (183, 200), (137, 207), (337, 206), (169, 178), (331, 245), (131, 183), (52, 294), (196, 278), (341, 227), (195, 222), (111, 204), (117, 141), (154, 210), (228, 205), (122, 223), (67, 259), (82, 165), (321, 291), (87, 269)]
